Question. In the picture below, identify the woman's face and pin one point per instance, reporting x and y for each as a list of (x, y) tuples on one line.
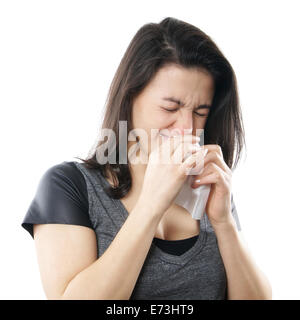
[(156, 107)]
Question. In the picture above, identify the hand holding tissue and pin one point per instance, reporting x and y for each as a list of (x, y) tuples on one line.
[(193, 199)]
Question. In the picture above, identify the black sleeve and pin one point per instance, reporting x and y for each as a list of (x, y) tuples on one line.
[(61, 197), (235, 214)]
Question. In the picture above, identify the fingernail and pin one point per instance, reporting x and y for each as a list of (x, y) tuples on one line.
[(197, 181)]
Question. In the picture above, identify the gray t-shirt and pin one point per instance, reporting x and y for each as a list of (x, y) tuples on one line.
[(197, 274)]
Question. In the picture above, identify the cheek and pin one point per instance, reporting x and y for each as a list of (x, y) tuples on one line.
[(157, 120), (200, 122), (162, 120)]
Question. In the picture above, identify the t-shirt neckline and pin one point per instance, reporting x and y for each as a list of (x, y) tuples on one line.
[(167, 257)]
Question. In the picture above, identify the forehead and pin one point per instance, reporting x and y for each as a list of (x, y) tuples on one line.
[(186, 83)]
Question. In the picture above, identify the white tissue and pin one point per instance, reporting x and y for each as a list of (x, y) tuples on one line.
[(193, 200)]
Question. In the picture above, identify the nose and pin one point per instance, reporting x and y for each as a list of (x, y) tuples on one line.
[(184, 122)]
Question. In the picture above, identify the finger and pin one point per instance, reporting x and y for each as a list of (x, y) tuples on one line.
[(194, 163), (179, 144), (175, 140), (184, 145), (184, 150), (184, 140), (214, 147), (215, 157), (211, 174), (209, 179), (199, 158)]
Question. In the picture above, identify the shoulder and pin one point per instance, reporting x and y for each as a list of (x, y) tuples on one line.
[(61, 197), (65, 169), (63, 177)]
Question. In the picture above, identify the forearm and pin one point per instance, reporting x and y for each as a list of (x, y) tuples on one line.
[(114, 274), (245, 280)]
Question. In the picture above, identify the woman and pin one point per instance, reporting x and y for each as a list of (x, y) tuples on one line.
[(112, 231)]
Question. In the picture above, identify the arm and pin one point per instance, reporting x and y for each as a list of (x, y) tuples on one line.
[(245, 280), (68, 265)]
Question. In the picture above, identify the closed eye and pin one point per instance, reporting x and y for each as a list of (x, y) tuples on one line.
[(174, 110)]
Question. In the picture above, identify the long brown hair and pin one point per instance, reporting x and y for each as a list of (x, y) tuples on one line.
[(153, 46)]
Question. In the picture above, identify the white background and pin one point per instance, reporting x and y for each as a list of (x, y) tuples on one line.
[(57, 60)]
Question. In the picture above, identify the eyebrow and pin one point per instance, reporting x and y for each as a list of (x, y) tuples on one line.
[(202, 106)]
